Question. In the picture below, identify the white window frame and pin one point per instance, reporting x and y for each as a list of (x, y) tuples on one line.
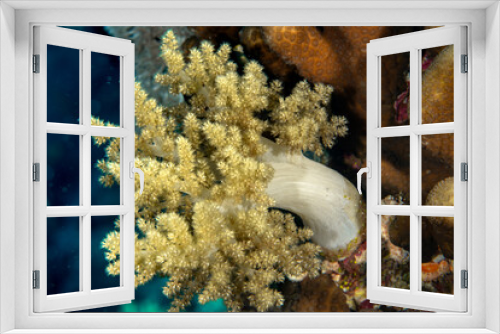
[(17, 19), (85, 43), (413, 44)]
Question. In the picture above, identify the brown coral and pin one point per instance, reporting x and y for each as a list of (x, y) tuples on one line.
[(335, 56), (321, 295), (253, 40), (306, 48)]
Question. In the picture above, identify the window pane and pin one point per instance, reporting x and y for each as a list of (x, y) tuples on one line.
[(437, 85), (63, 170), (437, 271), (105, 171), (437, 169), (63, 85), (395, 167), (395, 255), (105, 89), (395, 92), (63, 255), (105, 252)]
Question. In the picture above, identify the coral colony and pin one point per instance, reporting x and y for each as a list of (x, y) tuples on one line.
[(214, 216)]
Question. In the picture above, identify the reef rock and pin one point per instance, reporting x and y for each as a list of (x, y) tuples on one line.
[(321, 294)]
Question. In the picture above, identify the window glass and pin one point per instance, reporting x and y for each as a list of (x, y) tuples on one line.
[(437, 169), (105, 89), (395, 93), (63, 255), (438, 85), (63, 85), (395, 255), (105, 245), (63, 170), (105, 171), (437, 254), (395, 167)]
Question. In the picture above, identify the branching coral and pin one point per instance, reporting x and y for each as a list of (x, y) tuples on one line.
[(205, 216)]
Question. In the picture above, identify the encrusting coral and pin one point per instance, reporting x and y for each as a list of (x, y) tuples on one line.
[(205, 219)]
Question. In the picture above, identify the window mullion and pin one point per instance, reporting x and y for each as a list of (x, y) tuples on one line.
[(86, 176), (406, 210), (433, 129), (414, 170)]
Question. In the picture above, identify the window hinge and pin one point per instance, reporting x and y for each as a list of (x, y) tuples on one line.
[(36, 279), (465, 279), (36, 172), (36, 63), (464, 171), (465, 64)]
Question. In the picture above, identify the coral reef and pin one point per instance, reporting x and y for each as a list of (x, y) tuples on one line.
[(335, 56), (209, 220), (308, 47), (320, 294), (205, 218)]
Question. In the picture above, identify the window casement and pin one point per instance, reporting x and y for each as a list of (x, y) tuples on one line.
[(421, 133), (62, 150), (57, 208), (17, 109)]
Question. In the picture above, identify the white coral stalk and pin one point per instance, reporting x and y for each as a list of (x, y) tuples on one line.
[(326, 201)]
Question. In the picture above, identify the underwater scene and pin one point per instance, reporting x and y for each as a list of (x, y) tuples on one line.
[(250, 139)]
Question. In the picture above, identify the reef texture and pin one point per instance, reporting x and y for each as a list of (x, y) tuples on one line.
[(320, 294), (204, 217)]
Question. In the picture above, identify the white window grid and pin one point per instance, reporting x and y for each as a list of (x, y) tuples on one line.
[(86, 44), (414, 44)]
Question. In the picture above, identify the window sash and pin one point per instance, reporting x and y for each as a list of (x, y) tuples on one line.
[(412, 43), (86, 297), (364, 322)]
